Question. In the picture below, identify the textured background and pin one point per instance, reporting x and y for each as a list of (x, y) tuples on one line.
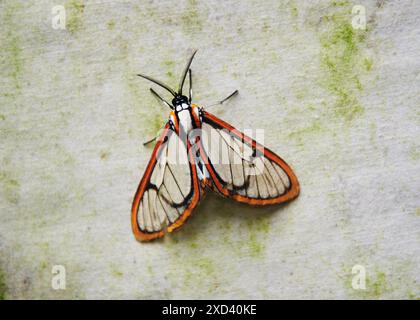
[(341, 106)]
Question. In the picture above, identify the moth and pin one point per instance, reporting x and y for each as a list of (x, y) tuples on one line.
[(197, 151)]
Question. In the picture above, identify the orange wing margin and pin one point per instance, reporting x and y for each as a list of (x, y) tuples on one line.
[(147, 236), (290, 194)]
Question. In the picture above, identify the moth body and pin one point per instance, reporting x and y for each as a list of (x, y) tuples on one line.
[(186, 117)]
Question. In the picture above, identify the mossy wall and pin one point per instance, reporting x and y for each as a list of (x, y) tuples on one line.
[(339, 104)]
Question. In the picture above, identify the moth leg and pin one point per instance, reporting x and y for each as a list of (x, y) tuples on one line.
[(234, 93), (150, 141)]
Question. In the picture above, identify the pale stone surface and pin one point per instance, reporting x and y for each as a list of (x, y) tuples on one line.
[(341, 106)]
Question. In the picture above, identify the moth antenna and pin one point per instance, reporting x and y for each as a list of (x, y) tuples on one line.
[(158, 83), (160, 99), (184, 73), (191, 90)]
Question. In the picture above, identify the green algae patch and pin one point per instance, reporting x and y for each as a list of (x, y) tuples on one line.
[(10, 187), (74, 14), (110, 25), (257, 231), (191, 264), (205, 265), (169, 63), (14, 50), (413, 296), (157, 123), (11, 59), (190, 18), (343, 61), (414, 153), (368, 63), (377, 285), (3, 287), (293, 9), (299, 135), (116, 272)]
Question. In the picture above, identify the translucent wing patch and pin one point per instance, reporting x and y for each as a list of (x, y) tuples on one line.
[(168, 191), (243, 169)]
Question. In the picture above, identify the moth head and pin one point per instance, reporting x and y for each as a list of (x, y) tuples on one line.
[(179, 100)]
